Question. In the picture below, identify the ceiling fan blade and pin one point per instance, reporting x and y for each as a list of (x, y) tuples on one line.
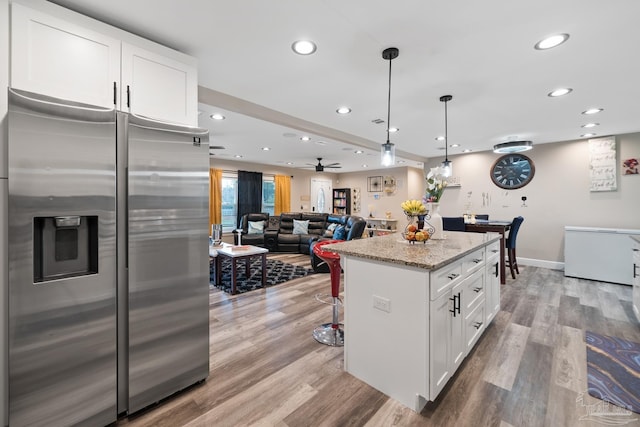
[(333, 165)]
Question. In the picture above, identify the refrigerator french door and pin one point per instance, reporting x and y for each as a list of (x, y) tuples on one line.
[(62, 262), (168, 258), (108, 261)]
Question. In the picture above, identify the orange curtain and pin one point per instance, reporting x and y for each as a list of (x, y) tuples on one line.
[(215, 197), (283, 194)]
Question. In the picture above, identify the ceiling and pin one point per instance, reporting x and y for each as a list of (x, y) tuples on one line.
[(481, 53)]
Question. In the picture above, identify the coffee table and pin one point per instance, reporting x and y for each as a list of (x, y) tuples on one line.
[(236, 252)]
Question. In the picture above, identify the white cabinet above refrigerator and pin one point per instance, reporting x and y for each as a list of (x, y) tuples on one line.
[(63, 54)]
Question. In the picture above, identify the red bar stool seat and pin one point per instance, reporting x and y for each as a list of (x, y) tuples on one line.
[(330, 333)]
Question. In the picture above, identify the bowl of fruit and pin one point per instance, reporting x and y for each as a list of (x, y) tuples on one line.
[(412, 234)]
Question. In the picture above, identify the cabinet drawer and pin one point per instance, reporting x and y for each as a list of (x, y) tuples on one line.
[(443, 279), (474, 326), (473, 292), (473, 261)]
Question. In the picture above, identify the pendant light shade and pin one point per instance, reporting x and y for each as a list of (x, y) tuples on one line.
[(388, 149), (447, 166)]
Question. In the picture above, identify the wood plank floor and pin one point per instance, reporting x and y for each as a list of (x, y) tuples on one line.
[(529, 368)]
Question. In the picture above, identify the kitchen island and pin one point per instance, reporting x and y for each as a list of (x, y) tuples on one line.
[(412, 312)]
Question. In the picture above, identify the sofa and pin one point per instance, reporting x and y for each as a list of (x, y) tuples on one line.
[(294, 232)]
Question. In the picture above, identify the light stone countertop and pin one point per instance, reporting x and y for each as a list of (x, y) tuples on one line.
[(430, 255)]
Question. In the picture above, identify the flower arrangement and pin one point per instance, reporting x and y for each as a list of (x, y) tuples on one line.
[(413, 207), (436, 183)]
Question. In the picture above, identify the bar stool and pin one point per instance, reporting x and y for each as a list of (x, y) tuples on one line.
[(330, 333)]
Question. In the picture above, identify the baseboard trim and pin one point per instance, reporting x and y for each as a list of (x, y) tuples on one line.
[(552, 265)]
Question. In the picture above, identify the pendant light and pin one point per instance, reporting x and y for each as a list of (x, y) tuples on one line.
[(388, 150), (447, 166)]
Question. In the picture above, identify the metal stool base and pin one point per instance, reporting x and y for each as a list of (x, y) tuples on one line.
[(325, 334)]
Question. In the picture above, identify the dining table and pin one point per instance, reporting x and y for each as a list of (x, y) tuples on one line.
[(493, 226)]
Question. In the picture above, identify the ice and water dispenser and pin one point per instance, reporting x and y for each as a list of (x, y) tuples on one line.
[(64, 246)]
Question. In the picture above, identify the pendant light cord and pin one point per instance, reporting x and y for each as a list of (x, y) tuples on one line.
[(389, 102), (446, 134)]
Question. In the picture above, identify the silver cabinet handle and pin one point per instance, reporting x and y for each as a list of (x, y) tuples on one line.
[(477, 325), (452, 276)]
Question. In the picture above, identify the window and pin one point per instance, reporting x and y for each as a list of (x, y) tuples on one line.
[(230, 199), (268, 194)]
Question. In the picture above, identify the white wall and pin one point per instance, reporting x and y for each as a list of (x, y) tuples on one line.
[(409, 184), (557, 196)]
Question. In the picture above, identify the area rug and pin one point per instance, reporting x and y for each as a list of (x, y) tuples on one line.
[(277, 272), (613, 370)]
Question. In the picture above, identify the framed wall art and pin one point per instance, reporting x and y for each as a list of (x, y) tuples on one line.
[(374, 184)]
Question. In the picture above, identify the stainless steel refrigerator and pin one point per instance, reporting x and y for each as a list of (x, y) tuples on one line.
[(108, 261)]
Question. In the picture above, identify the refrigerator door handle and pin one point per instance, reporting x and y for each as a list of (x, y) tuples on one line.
[(143, 122), (55, 106)]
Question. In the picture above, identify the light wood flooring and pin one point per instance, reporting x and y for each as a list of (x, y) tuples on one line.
[(528, 369)]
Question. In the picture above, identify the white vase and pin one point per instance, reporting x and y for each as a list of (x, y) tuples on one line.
[(436, 221)]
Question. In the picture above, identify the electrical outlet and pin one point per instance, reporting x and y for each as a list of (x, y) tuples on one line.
[(382, 304)]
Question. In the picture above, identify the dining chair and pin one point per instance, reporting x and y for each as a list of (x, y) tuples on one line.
[(453, 223), (511, 245)]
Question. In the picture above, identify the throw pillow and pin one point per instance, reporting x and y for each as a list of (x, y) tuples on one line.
[(300, 227), (340, 233), (255, 227), (332, 227)]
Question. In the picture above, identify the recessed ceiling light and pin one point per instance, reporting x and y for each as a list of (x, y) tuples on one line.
[(552, 41), (439, 138), (358, 151), (305, 138), (560, 92), (467, 150), (394, 129), (592, 110), (587, 135), (289, 163), (365, 166), (217, 116), (238, 156), (343, 110), (303, 47), (590, 125), (266, 148), (454, 145)]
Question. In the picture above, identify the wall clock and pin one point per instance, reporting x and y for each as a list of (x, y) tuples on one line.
[(512, 171)]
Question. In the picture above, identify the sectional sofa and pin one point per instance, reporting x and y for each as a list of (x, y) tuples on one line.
[(295, 231)]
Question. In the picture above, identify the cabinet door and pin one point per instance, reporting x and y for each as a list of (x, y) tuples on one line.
[(439, 344), (458, 346), (636, 279), (492, 280), (159, 87), (58, 58)]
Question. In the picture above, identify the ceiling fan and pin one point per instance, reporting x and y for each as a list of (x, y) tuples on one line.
[(320, 167)]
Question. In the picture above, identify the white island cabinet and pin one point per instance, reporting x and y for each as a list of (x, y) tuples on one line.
[(413, 312), (635, 250)]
